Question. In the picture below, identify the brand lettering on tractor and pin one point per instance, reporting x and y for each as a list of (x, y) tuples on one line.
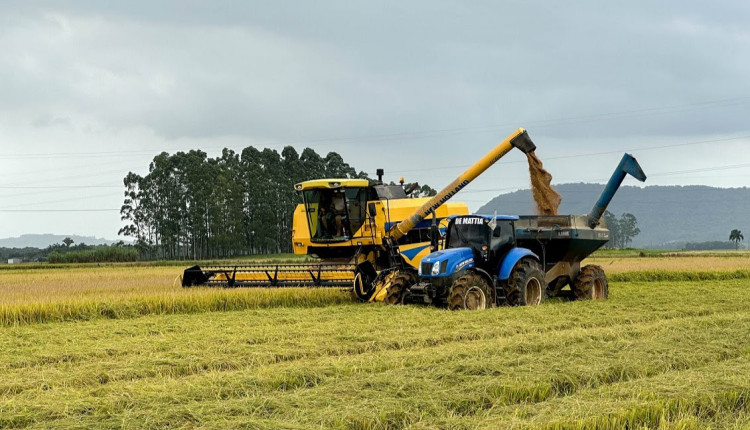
[(470, 221), (464, 263)]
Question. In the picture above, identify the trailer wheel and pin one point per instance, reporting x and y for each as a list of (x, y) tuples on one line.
[(398, 292), (470, 292), (526, 285), (591, 284)]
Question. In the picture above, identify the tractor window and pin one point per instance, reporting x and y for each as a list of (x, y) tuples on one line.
[(502, 236), (461, 235)]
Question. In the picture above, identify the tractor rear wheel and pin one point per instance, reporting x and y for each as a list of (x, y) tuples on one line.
[(591, 284), (470, 292), (398, 292), (526, 285)]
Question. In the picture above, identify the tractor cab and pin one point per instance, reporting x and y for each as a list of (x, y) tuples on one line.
[(488, 237), (335, 208), (471, 241)]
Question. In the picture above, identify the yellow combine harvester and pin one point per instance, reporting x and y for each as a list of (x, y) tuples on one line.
[(368, 237)]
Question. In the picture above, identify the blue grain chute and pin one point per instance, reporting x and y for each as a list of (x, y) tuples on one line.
[(628, 165)]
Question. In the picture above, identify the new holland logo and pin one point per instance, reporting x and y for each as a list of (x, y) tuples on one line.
[(464, 263)]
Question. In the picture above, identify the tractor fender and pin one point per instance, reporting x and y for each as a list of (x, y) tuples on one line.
[(483, 274), (511, 258)]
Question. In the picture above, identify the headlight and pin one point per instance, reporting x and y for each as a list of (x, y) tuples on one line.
[(435, 268), (419, 270)]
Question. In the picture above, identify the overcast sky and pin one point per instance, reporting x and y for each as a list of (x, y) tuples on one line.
[(92, 90)]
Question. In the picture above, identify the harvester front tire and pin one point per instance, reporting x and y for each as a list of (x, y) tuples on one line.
[(362, 289), (591, 284), (526, 285), (470, 292), (398, 291)]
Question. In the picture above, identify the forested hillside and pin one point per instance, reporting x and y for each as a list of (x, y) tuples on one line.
[(193, 206), (667, 215)]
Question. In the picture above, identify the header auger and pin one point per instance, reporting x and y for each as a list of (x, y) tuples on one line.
[(366, 234)]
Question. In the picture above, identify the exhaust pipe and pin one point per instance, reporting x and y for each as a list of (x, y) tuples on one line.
[(628, 165)]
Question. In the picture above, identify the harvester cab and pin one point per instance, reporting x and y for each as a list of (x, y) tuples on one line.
[(334, 208)]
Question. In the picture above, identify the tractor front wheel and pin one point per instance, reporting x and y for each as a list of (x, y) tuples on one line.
[(398, 291), (591, 284), (526, 285), (470, 292)]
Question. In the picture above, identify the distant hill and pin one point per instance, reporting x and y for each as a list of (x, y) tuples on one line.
[(42, 241), (668, 216)]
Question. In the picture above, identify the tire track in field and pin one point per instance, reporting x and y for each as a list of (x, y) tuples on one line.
[(378, 345), (164, 368), (292, 380), (561, 386), (661, 407), (224, 387), (94, 378)]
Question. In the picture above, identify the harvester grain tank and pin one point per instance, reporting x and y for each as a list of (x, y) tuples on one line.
[(366, 235), (490, 259)]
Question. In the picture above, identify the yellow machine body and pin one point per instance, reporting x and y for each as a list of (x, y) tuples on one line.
[(365, 234), (370, 221)]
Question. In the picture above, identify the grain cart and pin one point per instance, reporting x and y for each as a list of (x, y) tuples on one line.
[(494, 259), (374, 235)]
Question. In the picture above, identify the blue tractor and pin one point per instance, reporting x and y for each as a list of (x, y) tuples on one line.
[(488, 260)]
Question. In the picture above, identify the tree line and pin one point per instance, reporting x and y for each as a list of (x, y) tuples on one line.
[(66, 252), (191, 206), (622, 230)]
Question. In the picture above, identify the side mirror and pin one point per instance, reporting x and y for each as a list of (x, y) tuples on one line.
[(371, 209)]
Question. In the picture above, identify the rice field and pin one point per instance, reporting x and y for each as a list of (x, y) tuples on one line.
[(669, 350)]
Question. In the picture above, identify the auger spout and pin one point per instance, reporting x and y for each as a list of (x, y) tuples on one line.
[(628, 165), (519, 139)]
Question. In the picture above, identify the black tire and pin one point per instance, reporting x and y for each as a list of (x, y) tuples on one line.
[(362, 288), (471, 292), (526, 285), (591, 284), (398, 292)]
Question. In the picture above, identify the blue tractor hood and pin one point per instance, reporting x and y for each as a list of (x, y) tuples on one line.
[(449, 262)]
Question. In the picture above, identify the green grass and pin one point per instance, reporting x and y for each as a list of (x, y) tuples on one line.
[(658, 354)]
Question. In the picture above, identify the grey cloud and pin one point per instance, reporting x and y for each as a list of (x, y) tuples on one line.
[(307, 70)]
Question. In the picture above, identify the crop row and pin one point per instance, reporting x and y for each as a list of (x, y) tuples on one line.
[(186, 303), (638, 360)]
